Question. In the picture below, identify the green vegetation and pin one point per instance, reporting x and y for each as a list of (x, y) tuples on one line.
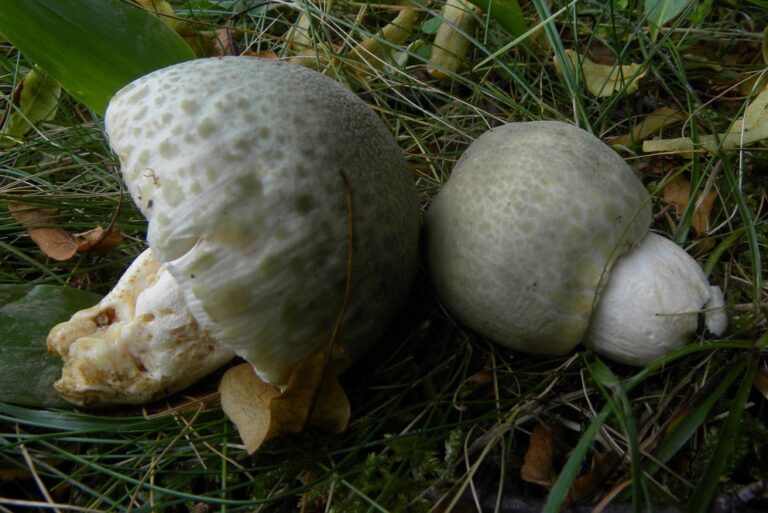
[(436, 411)]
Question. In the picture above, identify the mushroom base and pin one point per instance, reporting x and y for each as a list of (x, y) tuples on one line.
[(652, 303), (139, 344)]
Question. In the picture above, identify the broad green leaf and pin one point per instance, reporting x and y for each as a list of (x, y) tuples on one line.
[(507, 13), (92, 47), (27, 313), (659, 12), (38, 100)]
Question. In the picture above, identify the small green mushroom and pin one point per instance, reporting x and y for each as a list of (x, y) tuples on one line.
[(528, 235)]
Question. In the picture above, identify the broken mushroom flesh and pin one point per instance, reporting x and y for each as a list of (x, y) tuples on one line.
[(139, 343), (523, 238)]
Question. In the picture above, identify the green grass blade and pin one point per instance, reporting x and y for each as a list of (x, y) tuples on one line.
[(707, 486), (559, 493), (68, 40), (687, 427), (616, 396)]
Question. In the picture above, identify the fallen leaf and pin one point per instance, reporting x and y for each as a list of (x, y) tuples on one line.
[(164, 11), (459, 19), (27, 314), (602, 79), (761, 383), (650, 125), (261, 411), (97, 241), (603, 466), (314, 390), (36, 100), (372, 49), (475, 382), (56, 242), (751, 128), (42, 228), (245, 400), (15, 474), (202, 42), (537, 463), (677, 192), (659, 12)]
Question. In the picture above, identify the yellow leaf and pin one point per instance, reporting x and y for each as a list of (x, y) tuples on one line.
[(164, 11), (651, 124), (396, 32), (313, 397), (451, 45), (751, 128), (38, 97), (602, 79)]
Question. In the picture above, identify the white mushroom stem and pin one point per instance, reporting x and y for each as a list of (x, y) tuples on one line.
[(140, 343), (652, 303)]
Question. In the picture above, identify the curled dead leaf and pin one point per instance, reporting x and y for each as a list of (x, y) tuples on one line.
[(475, 382), (97, 240), (451, 45), (603, 466), (260, 411), (372, 50), (761, 383), (538, 461), (56, 242)]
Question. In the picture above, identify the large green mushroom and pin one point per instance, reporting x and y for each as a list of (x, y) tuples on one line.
[(539, 240), (278, 203)]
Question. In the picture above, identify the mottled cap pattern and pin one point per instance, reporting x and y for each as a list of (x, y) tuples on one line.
[(240, 164), (522, 236)]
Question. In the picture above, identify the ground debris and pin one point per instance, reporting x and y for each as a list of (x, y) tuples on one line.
[(442, 495)]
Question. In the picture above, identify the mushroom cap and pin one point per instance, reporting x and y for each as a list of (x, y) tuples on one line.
[(140, 343), (652, 304), (523, 233), (240, 166)]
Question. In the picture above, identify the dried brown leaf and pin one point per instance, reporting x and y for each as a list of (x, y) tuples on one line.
[(650, 125), (245, 399), (261, 411), (602, 468), (97, 240), (475, 382), (678, 191), (41, 223), (56, 242), (761, 383), (537, 463)]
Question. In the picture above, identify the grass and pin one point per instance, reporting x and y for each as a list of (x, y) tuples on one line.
[(437, 411)]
